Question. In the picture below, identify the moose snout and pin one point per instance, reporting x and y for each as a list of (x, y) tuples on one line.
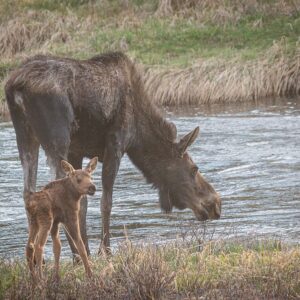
[(210, 209), (92, 190)]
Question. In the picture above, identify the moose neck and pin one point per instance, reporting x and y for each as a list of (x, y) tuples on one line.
[(152, 152)]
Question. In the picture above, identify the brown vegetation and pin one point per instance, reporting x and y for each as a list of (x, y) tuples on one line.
[(219, 81), (35, 30), (58, 202)]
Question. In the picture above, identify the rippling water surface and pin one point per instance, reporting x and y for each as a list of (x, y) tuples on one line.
[(250, 153)]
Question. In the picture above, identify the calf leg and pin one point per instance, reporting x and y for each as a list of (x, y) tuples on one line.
[(56, 248), (41, 240), (33, 230), (72, 226)]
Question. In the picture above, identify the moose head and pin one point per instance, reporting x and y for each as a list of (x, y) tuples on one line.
[(185, 187)]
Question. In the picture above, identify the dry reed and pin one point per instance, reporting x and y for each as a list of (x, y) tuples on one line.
[(222, 12), (218, 81), (36, 30)]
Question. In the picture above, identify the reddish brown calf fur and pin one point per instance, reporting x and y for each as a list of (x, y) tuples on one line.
[(58, 202)]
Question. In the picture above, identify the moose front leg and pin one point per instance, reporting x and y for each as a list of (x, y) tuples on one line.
[(111, 162)]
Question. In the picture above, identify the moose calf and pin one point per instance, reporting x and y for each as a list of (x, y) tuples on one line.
[(58, 202)]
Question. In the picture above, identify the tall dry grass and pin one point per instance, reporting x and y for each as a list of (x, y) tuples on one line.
[(218, 81), (36, 30), (222, 12)]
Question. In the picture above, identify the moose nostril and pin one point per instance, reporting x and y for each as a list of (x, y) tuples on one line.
[(92, 188)]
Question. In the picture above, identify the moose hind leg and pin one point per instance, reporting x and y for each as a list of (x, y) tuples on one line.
[(28, 147), (27, 141)]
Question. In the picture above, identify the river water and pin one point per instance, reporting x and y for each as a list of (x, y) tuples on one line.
[(250, 153)]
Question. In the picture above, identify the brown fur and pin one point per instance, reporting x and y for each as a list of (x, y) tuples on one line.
[(58, 202), (99, 107)]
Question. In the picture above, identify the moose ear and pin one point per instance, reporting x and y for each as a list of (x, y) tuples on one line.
[(91, 166), (187, 140), (165, 201), (67, 167)]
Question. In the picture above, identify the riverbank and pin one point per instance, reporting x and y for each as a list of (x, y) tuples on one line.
[(250, 269), (192, 52)]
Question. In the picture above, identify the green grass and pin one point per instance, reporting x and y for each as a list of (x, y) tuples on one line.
[(230, 270), (180, 43)]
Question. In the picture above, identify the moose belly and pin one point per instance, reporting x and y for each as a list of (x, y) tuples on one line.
[(88, 139)]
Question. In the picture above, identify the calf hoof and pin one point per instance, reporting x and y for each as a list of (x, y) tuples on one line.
[(76, 260), (56, 278), (89, 273), (43, 261), (104, 251)]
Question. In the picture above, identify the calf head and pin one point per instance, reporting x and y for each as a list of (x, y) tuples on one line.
[(81, 179), (184, 186)]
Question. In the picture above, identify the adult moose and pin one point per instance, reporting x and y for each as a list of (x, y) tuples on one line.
[(98, 107)]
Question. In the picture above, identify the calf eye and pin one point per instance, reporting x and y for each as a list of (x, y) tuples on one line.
[(194, 171), (79, 180)]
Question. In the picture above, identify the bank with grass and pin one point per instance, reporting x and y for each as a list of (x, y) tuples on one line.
[(191, 52), (250, 269)]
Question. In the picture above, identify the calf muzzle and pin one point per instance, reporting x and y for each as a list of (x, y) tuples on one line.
[(91, 190)]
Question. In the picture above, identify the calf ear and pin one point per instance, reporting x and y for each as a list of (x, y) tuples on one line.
[(188, 140), (165, 201), (91, 166), (67, 167)]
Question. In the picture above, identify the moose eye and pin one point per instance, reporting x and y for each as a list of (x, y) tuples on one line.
[(79, 180)]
